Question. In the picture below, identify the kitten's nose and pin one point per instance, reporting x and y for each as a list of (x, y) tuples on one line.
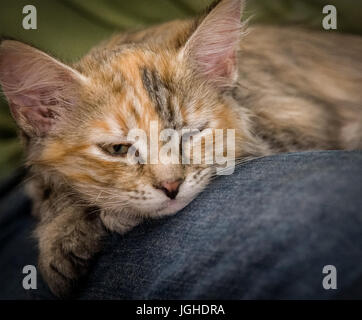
[(170, 188)]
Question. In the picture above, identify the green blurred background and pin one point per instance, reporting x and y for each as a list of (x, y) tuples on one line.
[(69, 28)]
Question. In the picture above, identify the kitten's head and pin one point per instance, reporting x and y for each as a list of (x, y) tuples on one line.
[(76, 121)]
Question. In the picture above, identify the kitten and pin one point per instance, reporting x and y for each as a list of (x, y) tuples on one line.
[(280, 89)]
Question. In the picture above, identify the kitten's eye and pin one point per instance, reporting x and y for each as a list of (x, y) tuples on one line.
[(117, 149), (120, 149)]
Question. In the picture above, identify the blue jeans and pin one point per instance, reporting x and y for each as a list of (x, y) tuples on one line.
[(265, 232)]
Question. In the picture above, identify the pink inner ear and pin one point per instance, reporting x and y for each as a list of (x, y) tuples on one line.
[(214, 44), (41, 119), (217, 64), (36, 86), (31, 110)]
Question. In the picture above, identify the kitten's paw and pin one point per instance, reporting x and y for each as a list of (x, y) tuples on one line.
[(65, 257), (63, 264)]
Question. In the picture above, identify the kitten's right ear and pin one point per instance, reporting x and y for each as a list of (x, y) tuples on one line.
[(38, 87), (212, 48)]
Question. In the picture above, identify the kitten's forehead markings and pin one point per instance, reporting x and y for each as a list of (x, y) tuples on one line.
[(159, 95), (178, 118)]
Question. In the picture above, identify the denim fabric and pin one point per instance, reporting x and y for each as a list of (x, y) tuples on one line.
[(265, 232)]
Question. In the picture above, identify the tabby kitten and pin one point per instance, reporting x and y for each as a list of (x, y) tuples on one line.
[(280, 89)]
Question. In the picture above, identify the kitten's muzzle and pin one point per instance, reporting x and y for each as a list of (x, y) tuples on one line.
[(170, 188)]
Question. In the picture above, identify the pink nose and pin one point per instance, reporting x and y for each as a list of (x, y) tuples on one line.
[(170, 188)]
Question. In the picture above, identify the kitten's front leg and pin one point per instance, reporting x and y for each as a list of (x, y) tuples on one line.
[(67, 242)]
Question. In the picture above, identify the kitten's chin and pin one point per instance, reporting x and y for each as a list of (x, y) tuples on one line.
[(123, 222)]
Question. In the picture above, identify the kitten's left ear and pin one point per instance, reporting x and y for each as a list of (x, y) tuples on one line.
[(212, 48), (38, 87)]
